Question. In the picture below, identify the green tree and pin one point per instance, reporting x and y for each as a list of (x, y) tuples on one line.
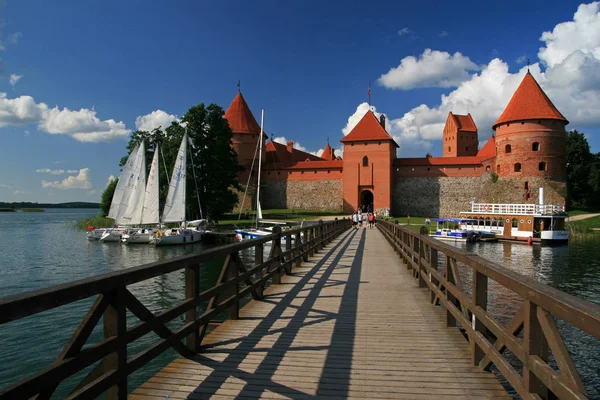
[(107, 196), (579, 166), (215, 161)]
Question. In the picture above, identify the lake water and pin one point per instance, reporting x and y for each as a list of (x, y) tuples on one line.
[(38, 250)]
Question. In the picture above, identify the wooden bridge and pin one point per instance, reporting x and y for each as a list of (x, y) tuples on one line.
[(336, 313)]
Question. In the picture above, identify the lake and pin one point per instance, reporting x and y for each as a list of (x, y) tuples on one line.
[(38, 250)]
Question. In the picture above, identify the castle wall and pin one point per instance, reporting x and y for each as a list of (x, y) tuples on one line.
[(448, 196), (322, 194)]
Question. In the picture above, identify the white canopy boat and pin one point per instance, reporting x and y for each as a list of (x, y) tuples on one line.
[(174, 210)]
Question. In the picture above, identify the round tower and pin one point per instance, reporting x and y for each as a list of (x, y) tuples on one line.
[(530, 135)]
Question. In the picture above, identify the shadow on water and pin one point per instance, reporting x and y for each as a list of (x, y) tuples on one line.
[(312, 282)]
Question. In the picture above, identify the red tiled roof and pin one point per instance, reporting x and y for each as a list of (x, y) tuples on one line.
[(488, 150), (240, 117), (439, 161), (277, 153), (465, 123), (529, 102), (367, 129), (328, 153)]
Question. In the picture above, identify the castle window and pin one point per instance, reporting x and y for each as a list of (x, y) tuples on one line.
[(365, 161), (498, 168), (487, 168), (517, 167), (542, 166), (515, 223), (526, 185), (467, 148), (449, 149), (535, 146), (507, 148), (428, 169)]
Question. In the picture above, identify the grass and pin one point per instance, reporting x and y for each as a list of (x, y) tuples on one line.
[(573, 213), (97, 221), (585, 225), (415, 223), (293, 217)]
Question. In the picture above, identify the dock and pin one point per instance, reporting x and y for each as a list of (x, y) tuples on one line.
[(337, 313)]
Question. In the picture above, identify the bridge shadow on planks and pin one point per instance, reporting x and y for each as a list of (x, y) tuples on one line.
[(303, 346)]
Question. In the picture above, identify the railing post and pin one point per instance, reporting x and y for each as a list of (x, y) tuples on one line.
[(115, 325), (535, 344), (480, 299), (258, 260), (298, 249), (433, 262), (321, 235), (288, 251), (234, 309), (276, 253), (449, 274), (192, 281), (422, 254), (311, 251)]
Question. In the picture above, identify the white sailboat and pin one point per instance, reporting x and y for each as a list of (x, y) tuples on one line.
[(97, 233), (149, 213), (127, 205), (174, 210)]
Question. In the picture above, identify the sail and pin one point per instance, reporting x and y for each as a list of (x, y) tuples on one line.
[(119, 190), (132, 213), (150, 209), (174, 210)]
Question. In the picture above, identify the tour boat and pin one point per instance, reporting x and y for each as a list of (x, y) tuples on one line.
[(544, 223), (454, 229), (174, 210)]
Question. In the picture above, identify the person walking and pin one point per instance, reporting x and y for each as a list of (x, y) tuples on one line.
[(371, 220), (355, 220), (360, 220)]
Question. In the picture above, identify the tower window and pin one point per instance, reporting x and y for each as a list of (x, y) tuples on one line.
[(498, 168), (535, 146), (542, 166), (526, 185), (466, 148), (507, 148), (365, 161), (518, 167), (449, 149)]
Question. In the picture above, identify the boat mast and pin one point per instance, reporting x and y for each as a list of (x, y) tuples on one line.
[(260, 141), (195, 180)]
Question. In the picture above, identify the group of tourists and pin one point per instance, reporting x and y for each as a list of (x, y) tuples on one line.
[(359, 217)]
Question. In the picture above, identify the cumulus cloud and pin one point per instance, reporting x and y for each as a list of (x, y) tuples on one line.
[(79, 181), (155, 119), (361, 110), (571, 56), (72, 171), (433, 68), (296, 145), (82, 125), (110, 179), (14, 78), (53, 171)]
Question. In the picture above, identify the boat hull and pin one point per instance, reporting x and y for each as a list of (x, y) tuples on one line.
[(185, 237), (137, 238)]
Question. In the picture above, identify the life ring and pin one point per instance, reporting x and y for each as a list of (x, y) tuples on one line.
[(486, 208)]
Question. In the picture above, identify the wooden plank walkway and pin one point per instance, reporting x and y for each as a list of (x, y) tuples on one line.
[(350, 323)]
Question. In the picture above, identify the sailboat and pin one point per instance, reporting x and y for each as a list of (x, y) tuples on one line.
[(255, 232), (149, 209), (174, 210)]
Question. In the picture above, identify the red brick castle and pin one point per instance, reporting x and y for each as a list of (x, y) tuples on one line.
[(526, 153)]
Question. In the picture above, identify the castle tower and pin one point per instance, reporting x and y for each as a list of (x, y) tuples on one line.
[(245, 129), (328, 153), (369, 153), (530, 135), (460, 136)]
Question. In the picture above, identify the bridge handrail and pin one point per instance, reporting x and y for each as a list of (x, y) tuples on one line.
[(113, 299), (487, 337)]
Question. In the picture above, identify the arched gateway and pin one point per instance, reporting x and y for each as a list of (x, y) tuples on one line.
[(366, 199)]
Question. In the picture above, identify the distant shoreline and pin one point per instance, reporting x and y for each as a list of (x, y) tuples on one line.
[(4, 206)]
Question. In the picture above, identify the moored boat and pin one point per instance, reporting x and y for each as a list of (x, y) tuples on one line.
[(455, 229)]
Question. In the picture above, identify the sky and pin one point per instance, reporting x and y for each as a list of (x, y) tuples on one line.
[(77, 77)]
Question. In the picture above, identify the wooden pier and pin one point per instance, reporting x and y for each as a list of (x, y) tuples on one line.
[(337, 313)]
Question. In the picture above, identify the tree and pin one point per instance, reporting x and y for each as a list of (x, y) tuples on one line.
[(579, 166), (107, 196), (215, 161)]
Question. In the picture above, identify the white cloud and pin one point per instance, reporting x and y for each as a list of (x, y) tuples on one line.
[(521, 60), (79, 181), (360, 112), (14, 78), (53, 171), (91, 192), (404, 31), (155, 119), (571, 80), (110, 179), (27, 133), (72, 171), (19, 191), (432, 69), (13, 38), (296, 145), (82, 125), (443, 34), (4, 186)]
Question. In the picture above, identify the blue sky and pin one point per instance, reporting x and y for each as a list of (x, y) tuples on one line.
[(306, 63)]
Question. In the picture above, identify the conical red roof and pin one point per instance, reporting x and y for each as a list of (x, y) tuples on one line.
[(368, 128), (529, 102), (488, 150), (328, 153), (240, 117)]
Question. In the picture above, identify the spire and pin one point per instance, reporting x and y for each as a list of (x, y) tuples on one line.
[(529, 102), (368, 129), (240, 117), (239, 86), (328, 153)]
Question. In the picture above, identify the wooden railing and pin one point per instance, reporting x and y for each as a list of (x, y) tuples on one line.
[(113, 299), (531, 334)]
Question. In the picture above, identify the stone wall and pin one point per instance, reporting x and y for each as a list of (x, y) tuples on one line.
[(447, 197), (301, 194)]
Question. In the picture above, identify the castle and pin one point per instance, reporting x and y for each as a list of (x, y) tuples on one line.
[(527, 152)]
